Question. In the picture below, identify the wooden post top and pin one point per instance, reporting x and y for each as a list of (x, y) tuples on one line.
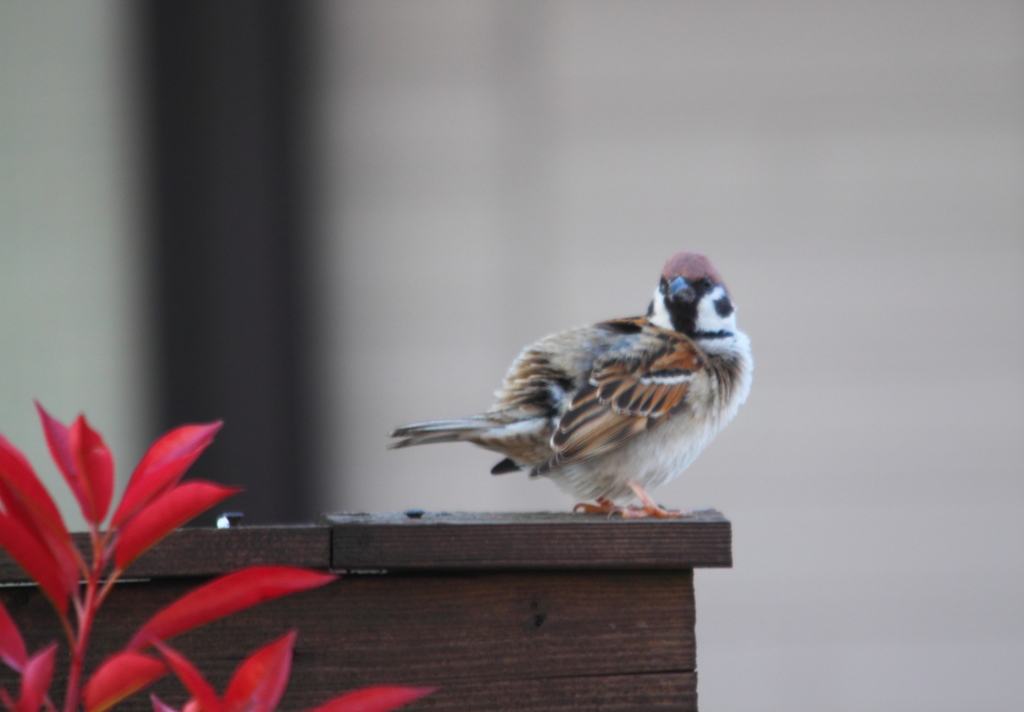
[(539, 540), (424, 541)]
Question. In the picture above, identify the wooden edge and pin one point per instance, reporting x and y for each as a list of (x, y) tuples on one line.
[(417, 517), (209, 552), (617, 693), (442, 541), (542, 540)]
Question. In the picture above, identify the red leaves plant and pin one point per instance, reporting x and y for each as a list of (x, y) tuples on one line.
[(224, 596), (12, 645), (374, 699), (85, 462), (154, 504), (259, 683), (163, 465), (166, 513), (120, 676), (35, 681)]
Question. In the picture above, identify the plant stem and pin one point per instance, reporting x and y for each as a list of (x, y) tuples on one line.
[(108, 586), (68, 630), (86, 615)]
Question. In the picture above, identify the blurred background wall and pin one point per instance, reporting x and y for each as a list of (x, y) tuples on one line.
[(74, 328), (365, 209)]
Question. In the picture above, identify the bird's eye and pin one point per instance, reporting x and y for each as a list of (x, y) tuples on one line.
[(706, 281)]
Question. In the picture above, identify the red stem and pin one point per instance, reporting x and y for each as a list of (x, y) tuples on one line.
[(108, 586), (86, 614)]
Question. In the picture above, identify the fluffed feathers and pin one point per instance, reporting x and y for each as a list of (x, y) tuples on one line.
[(605, 410)]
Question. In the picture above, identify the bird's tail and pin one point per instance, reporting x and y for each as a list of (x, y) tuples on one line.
[(441, 431)]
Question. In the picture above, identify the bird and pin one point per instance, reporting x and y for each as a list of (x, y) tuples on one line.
[(610, 410)]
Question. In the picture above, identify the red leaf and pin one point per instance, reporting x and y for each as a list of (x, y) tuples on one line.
[(192, 679), (165, 514), (22, 481), (259, 682), (35, 680), (163, 465), (118, 677), (224, 596), (28, 502), (374, 699), (12, 645), (159, 705), (84, 460), (38, 561), (59, 555), (97, 466)]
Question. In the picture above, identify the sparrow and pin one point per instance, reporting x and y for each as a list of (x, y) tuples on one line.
[(609, 410)]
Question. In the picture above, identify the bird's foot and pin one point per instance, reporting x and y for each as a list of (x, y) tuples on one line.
[(650, 508), (657, 511), (603, 506)]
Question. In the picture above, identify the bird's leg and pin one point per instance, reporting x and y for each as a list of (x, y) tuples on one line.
[(603, 506), (650, 508)]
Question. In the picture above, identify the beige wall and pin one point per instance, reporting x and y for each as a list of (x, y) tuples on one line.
[(492, 172), (71, 290)]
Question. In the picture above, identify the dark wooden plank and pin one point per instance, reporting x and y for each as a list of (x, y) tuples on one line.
[(613, 693), (440, 541), (529, 640), (527, 541), (208, 551)]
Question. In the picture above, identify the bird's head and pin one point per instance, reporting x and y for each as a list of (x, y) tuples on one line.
[(692, 298)]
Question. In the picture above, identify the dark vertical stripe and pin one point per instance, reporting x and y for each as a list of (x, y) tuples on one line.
[(225, 114)]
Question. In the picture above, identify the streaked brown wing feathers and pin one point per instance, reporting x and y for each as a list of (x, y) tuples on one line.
[(627, 393), (592, 428)]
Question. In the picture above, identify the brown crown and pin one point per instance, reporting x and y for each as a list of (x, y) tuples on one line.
[(691, 266)]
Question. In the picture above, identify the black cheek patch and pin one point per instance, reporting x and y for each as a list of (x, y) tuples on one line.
[(723, 306)]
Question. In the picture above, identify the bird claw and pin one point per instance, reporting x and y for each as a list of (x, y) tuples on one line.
[(650, 509), (657, 512), (603, 506)]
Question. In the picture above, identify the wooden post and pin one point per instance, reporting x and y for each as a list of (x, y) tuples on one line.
[(525, 612)]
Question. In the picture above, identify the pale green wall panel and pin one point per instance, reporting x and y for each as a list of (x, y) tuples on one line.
[(72, 293)]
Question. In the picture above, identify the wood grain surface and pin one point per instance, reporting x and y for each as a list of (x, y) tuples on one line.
[(526, 640), (208, 551), (527, 541), (442, 541), (500, 611)]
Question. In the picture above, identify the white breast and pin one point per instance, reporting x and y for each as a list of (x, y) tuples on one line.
[(666, 450)]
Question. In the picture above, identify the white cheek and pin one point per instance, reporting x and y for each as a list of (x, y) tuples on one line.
[(660, 317), (708, 318)]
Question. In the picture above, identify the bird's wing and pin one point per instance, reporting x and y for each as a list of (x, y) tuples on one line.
[(628, 391)]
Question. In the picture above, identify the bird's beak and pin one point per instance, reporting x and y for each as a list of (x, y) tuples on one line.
[(679, 288)]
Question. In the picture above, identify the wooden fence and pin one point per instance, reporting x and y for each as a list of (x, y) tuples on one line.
[(525, 612)]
